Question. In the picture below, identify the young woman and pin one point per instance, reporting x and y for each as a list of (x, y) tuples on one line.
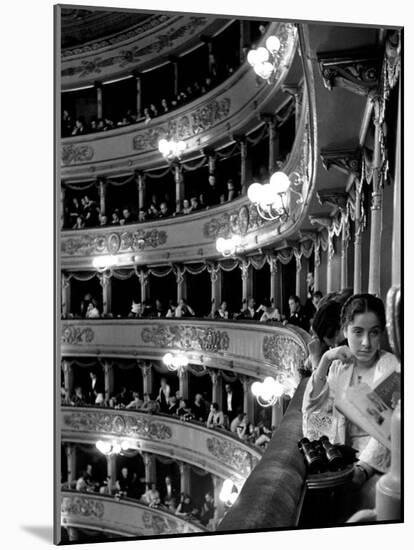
[(360, 361)]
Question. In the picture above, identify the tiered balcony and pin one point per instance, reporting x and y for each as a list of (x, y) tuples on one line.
[(122, 518)]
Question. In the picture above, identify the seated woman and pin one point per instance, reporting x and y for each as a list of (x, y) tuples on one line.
[(270, 313), (360, 361), (151, 497), (185, 506), (215, 418), (184, 410)]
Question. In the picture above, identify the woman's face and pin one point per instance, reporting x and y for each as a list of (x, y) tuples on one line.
[(364, 336)]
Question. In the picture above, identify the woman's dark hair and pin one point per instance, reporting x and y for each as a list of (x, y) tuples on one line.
[(362, 303), (215, 406), (326, 322)]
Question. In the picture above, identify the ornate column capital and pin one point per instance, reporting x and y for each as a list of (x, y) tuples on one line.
[(337, 198), (214, 375), (244, 266), (357, 71), (272, 261), (347, 161)]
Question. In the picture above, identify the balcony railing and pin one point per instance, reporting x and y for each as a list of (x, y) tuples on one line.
[(193, 237), (120, 517), (214, 450), (252, 349)]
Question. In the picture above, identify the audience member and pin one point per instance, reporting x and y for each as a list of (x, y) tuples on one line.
[(215, 418), (136, 402), (199, 408), (164, 395), (297, 315)]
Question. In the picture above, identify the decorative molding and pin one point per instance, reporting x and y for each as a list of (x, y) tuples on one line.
[(82, 506), (76, 335), (334, 197), (112, 243), (232, 454), (356, 71), (111, 422), (189, 125), (145, 26), (347, 161), (324, 220), (156, 44), (186, 337), (284, 352), (238, 222), (72, 154), (160, 525)]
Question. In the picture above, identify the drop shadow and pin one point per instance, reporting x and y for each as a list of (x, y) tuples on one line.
[(44, 533)]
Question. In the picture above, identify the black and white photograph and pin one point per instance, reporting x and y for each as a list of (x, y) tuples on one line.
[(228, 214)]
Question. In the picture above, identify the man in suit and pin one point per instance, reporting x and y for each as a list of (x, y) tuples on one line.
[(297, 314), (231, 404), (249, 312)]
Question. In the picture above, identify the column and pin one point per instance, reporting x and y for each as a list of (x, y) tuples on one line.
[(217, 387), (143, 281), (248, 398), (344, 252), (185, 478), (106, 283), (179, 186), (62, 206), (150, 468), (329, 266), (174, 61), (73, 533), (137, 77), (181, 284), (216, 281), (71, 461), (243, 165), (219, 508), (275, 295), (183, 382), (67, 368), (148, 379), (211, 159), (102, 195), (273, 141), (111, 473), (358, 241), (140, 179), (317, 266), (376, 208), (99, 99), (245, 39), (298, 273), (65, 288), (247, 280), (108, 369), (277, 413), (396, 229)]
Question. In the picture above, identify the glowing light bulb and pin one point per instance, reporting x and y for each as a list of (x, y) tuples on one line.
[(262, 55), (167, 359), (254, 192), (163, 146), (280, 182), (252, 57), (256, 387), (273, 44), (220, 244)]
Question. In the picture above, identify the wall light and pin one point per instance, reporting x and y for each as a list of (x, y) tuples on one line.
[(228, 247), (268, 391), (175, 362), (171, 149)]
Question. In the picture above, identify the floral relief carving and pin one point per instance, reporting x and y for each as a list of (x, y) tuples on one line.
[(238, 222), (120, 37), (77, 335), (232, 455), (92, 243), (82, 506), (187, 126), (121, 425), (158, 43), (186, 337), (284, 352), (76, 153), (161, 525)]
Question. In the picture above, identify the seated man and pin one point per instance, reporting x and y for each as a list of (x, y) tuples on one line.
[(297, 315)]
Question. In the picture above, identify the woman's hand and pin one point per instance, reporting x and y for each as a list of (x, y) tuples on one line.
[(341, 353)]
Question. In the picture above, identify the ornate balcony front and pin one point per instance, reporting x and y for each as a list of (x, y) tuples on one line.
[(193, 237), (124, 518), (227, 108), (216, 451), (251, 349)]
